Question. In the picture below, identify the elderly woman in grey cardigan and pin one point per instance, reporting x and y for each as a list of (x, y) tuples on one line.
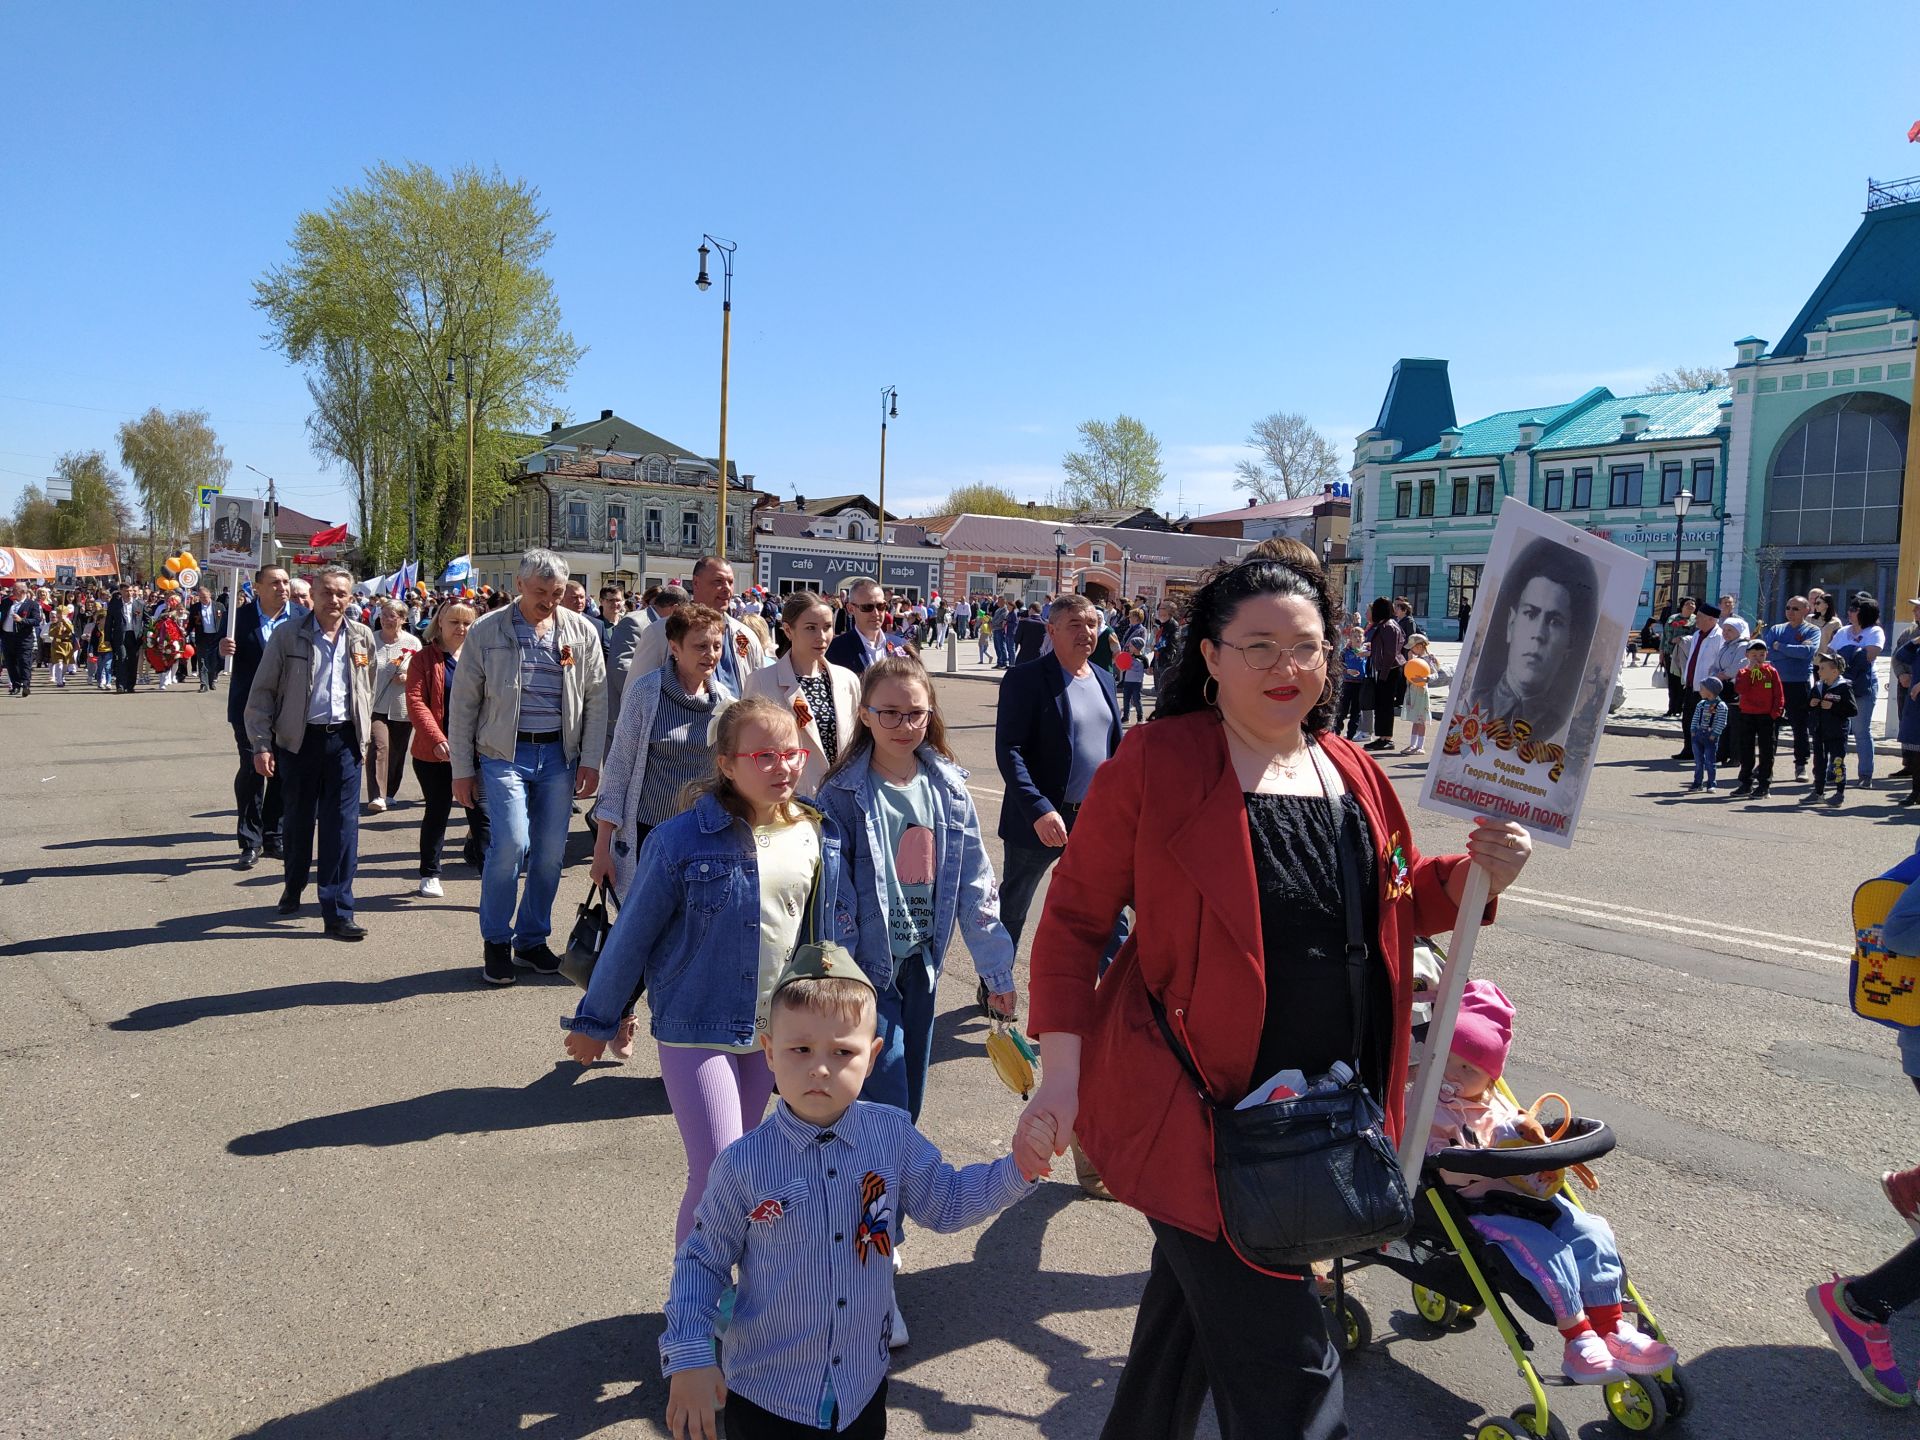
[(663, 741)]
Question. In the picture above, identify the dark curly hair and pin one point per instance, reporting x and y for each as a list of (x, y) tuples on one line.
[(1274, 567)]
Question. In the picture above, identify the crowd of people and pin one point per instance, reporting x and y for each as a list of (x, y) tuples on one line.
[(792, 845)]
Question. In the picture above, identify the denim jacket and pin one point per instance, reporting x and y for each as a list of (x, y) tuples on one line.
[(691, 930), (964, 890)]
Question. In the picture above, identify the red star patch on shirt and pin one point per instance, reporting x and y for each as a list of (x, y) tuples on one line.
[(766, 1212)]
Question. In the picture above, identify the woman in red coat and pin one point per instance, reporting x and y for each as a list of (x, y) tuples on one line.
[(1218, 822)]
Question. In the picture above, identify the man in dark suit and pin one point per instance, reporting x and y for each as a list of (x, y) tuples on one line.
[(256, 797), (867, 639), (208, 623), (126, 635), (1029, 636), (1058, 721)]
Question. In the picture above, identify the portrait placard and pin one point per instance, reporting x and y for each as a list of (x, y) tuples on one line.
[(234, 537), (1536, 675)]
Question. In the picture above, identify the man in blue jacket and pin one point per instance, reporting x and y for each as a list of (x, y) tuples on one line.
[(1058, 721), (1791, 648), (256, 798)]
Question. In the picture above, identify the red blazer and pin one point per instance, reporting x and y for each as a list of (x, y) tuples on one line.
[(1164, 828), (427, 701)]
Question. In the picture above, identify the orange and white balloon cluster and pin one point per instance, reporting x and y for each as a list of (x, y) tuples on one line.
[(183, 572)]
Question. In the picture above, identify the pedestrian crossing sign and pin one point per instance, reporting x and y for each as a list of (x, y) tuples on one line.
[(205, 495)]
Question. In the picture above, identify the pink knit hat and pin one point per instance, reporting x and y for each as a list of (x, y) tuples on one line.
[(1485, 1028)]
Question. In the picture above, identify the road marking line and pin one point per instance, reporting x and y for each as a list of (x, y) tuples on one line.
[(1636, 912), (979, 790), (1692, 932)]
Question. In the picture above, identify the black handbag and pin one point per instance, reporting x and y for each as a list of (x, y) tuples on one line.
[(589, 936), (1312, 1177)]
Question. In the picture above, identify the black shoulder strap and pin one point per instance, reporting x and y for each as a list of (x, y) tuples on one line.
[(1179, 1050)]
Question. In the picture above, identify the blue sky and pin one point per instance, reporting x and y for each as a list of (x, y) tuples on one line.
[(1023, 215)]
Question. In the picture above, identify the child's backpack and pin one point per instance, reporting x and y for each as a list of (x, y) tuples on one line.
[(1881, 985)]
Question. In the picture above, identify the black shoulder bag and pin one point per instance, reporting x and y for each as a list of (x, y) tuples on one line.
[(1313, 1177)]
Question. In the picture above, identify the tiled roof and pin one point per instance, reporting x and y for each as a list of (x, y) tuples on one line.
[(1678, 415), (1495, 435), (1879, 267), (1010, 535), (1275, 509), (623, 437), (794, 525)]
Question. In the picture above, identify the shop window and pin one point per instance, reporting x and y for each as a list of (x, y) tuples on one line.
[(1836, 478), (1412, 581)]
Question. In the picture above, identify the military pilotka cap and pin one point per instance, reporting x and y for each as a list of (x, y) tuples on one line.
[(822, 962)]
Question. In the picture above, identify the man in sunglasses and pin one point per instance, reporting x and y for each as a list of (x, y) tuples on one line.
[(868, 640)]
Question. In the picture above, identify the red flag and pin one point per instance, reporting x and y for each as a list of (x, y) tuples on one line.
[(1913, 135), (332, 535)]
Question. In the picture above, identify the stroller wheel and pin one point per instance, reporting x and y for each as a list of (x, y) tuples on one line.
[(1555, 1428), (1352, 1326), (1434, 1308), (1679, 1399), (1637, 1406)]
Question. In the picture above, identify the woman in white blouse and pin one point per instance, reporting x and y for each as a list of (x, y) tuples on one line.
[(393, 648), (824, 698)]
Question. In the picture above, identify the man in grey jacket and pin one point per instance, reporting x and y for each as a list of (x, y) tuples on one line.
[(309, 717), (527, 724)]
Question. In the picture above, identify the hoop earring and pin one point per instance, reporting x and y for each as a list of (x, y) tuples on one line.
[(1214, 698), (1326, 692)]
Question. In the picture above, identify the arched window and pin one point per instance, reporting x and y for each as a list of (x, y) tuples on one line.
[(1835, 478), (854, 531)]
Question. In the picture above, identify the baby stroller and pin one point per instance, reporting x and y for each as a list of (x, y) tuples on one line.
[(1457, 1276)]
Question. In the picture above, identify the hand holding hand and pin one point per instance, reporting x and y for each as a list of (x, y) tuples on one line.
[(1501, 848), (584, 1048), (694, 1397), (1051, 829), (1045, 1129)]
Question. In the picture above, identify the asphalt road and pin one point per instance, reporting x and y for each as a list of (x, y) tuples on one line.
[(262, 1183)]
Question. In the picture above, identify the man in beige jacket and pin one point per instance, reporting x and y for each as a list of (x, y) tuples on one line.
[(309, 717), (527, 724)]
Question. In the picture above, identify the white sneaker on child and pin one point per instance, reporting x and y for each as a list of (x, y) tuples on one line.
[(1589, 1361)]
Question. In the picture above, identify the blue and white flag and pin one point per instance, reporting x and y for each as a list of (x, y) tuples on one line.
[(459, 572)]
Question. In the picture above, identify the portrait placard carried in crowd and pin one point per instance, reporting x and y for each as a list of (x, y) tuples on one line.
[(1536, 675), (234, 538)]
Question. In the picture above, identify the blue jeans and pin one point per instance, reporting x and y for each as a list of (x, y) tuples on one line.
[(529, 801), (905, 1014), (1705, 759), (1862, 727), (1573, 1264)]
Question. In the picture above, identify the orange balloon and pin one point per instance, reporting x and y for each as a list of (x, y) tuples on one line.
[(173, 564)]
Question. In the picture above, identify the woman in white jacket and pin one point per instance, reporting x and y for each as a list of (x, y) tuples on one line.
[(824, 698)]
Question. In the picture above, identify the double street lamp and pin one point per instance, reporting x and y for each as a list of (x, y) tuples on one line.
[(889, 410), (726, 249)]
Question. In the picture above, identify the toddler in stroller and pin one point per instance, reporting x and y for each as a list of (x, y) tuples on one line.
[(1566, 1253)]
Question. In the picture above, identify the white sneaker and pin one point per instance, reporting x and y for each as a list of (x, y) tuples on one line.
[(430, 885), (376, 807), (898, 1338)]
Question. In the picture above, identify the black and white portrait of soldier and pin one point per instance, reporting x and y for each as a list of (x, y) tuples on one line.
[(1538, 632), (231, 531)]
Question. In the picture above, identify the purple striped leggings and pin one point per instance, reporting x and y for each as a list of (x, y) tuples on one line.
[(717, 1096)]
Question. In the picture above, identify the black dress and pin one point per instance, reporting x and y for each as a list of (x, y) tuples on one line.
[(1309, 1014)]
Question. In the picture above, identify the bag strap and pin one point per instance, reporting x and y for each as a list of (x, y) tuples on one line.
[(1179, 1050), (1347, 849)]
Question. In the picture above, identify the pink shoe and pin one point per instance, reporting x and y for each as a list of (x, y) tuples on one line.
[(621, 1050), (1639, 1354), (1589, 1361)]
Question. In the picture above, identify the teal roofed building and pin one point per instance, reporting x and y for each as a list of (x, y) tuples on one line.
[(1607, 463), (1796, 469)]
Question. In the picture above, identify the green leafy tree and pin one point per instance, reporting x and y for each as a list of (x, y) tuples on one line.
[(398, 279), (34, 517), (96, 510), (170, 456), (1117, 465), (1294, 459), (981, 500), (1687, 377)]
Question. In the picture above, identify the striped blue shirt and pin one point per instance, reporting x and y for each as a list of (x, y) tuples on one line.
[(540, 676), (809, 1217)]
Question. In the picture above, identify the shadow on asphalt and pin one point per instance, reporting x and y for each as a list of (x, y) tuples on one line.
[(250, 920), (142, 842), (579, 1381), (470, 1110), (170, 1013)]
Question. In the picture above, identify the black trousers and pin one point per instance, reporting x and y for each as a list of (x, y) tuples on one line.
[(747, 1421), (1209, 1322), (322, 785), (1386, 699), (1797, 721), (256, 800), (1675, 693), (1759, 738), (207, 657), (1689, 703), (1829, 762), (21, 651), (126, 665), (1356, 700), (436, 799)]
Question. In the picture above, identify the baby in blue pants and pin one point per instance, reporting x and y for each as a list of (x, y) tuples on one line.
[(1571, 1259)]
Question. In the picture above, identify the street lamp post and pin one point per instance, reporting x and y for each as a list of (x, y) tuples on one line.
[(466, 366), (1059, 554), (1682, 503), (889, 409), (726, 249)]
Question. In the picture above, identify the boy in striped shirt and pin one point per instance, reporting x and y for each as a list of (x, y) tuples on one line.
[(807, 1208)]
